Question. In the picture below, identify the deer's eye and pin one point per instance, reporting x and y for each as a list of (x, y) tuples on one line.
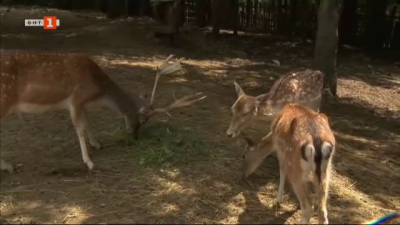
[(244, 156)]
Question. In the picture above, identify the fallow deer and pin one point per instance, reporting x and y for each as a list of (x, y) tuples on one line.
[(303, 87), (305, 144), (33, 82)]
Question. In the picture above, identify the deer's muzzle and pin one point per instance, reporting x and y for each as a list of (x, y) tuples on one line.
[(231, 133)]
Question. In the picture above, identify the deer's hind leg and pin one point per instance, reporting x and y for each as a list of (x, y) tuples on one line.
[(322, 190), (301, 189), (88, 129), (282, 179)]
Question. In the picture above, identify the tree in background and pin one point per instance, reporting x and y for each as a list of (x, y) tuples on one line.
[(216, 16), (348, 23), (201, 6), (225, 15), (235, 16), (116, 8), (326, 42), (376, 27)]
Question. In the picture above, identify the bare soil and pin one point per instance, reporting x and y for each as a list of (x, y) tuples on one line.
[(185, 170)]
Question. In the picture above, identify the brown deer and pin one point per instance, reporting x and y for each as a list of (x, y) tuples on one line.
[(304, 143), (33, 82), (303, 87)]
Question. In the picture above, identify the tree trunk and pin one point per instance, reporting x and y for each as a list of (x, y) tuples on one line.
[(279, 17), (102, 5), (201, 13), (285, 16), (348, 23), (116, 8), (376, 24), (248, 12), (255, 15), (126, 9), (235, 14), (304, 15), (294, 16), (144, 7), (326, 42), (216, 17)]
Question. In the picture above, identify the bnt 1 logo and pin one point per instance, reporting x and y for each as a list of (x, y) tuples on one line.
[(48, 23)]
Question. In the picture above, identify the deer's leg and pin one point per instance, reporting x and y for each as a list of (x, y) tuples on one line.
[(282, 179), (322, 198), (300, 188), (92, 140), (78, 119)]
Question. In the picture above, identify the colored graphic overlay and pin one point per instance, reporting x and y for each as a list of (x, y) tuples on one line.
[(392, 217), (48, 23)]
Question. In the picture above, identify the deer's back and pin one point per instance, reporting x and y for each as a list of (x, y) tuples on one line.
[(33, 81), (303, 87)]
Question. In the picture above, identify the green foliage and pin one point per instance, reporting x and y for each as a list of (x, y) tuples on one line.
[(163, 145)]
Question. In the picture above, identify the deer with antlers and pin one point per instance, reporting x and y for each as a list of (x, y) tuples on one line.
[(303, 87), (33, 82), (305, 144)]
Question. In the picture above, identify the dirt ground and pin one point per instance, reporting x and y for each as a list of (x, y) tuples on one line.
[(185, 170)]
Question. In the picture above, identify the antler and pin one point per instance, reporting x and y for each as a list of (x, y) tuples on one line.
[(168, 67), (179, 103), (165, 68)]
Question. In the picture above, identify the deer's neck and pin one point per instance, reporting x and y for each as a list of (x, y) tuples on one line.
[(264, 113), (120, 100), (265, 146)]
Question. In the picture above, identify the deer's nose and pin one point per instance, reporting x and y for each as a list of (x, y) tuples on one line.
[(229, 135)]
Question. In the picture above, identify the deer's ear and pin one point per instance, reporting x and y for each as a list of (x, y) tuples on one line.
[(238, 89)]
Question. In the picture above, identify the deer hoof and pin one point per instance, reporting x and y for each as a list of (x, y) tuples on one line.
[(277, 204), (95, 145), (90, 165)]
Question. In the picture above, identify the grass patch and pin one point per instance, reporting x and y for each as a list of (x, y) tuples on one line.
[(165, 145)]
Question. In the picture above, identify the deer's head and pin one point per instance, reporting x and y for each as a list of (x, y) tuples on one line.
[(303, 87), (254, 153), (244, 110), (249, 158)]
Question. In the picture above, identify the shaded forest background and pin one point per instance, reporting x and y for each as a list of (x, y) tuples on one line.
[(371, 25)]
